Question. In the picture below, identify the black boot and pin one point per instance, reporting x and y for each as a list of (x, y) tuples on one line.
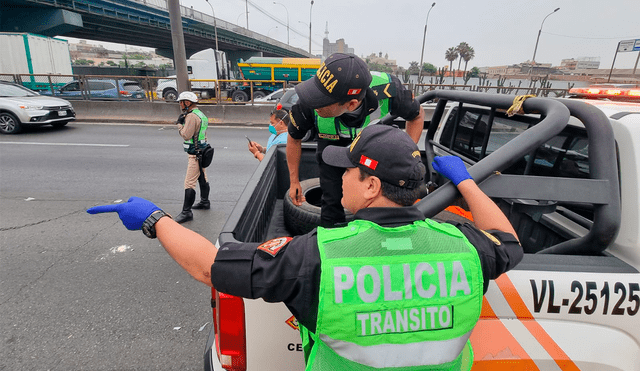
[(186, 214), (204, 197)]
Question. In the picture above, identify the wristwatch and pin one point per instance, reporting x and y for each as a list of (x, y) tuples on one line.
[(149, 225)]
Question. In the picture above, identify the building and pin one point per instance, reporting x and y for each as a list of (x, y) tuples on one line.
[(102, 56), (582, 63), (329, 48), (385, 61)]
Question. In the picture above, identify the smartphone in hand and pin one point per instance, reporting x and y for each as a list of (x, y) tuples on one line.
[(248, 138)]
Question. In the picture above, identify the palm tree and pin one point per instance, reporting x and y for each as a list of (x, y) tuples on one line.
[(462, 48), (451, 55), (467, 56)]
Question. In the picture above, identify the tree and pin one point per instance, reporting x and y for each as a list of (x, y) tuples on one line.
[(451, 55), (379, 67), (475, 72), (467, 55), (84, 62), (112, 63), (429, 68), (413, 68), (462, 48)]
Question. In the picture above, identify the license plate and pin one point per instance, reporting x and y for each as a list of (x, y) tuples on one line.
[(62, 113)]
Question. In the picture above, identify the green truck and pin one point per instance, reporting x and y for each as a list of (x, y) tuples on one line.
[(271, 69)]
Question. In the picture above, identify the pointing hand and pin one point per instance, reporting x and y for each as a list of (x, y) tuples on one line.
[(132, 213), (451, 167)]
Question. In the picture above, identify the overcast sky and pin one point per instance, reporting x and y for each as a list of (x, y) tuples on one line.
[(500, 31)]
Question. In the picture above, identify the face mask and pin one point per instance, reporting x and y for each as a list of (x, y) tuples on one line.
[(272, 129)]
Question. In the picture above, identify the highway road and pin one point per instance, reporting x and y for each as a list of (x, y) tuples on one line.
[(79, 291)]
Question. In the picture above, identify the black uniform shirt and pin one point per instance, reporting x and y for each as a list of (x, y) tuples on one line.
[(292, 276), (402, 104)]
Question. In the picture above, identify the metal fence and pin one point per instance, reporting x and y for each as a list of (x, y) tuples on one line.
[(89, 87), (143, 88), (419, 89)]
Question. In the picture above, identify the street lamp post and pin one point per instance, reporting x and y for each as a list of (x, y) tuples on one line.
[(271, 29), (285, 8), (238, 19), (424, 38), (533, 61), (310, 8), (215, 27)]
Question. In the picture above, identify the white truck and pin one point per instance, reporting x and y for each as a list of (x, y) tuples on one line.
[(29, 54), (565, 172), (207, 64)]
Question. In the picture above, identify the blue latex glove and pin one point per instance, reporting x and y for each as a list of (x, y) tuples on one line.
[(451, 167), (132, 213)]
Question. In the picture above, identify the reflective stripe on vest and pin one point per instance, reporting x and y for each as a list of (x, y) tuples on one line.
[(332, 128), (204, 124), (396, 297)]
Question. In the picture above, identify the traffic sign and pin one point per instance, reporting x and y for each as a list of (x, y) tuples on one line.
[(629, 45)]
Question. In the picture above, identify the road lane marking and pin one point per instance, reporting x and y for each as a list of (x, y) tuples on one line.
[(68, 144)]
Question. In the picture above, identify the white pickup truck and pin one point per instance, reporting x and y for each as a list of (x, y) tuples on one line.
[(565, 172)]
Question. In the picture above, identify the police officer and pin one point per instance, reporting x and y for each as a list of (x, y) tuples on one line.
[(339, 101), (390, 289), (192, 126)]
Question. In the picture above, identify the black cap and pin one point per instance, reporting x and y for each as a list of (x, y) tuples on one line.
[(341, 77), (382, 151)]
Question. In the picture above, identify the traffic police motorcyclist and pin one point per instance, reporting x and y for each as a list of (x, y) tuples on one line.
[(339, 101), (192, 124), (390, 289)]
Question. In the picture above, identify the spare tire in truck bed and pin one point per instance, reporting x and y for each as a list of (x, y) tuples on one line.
[(302, 219)]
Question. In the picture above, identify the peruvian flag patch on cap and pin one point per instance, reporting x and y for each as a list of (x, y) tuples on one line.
[(370, 163), (354, 91)]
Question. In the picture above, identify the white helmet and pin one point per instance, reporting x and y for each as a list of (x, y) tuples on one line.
[(187, 95)]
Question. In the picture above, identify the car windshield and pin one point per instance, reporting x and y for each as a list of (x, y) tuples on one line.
[(8, 90)]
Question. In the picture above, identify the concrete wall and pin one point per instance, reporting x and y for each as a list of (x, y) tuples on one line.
[(167, 113)]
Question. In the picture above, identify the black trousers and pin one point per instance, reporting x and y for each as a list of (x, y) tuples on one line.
[(331, 210)]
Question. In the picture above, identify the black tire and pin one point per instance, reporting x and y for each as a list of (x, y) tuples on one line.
[(239, 96), (58, 125), (9, 124), (170, 95), (302, 219), (259, 94)]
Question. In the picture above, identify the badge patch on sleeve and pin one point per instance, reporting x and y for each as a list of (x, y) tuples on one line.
[(274, 246), (492, 238)]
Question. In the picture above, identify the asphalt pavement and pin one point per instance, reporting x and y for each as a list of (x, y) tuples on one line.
[(79, 291)]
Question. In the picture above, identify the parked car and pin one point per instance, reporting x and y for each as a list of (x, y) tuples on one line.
[(100, 89), (271, 98), (20, 106), (288, 99)]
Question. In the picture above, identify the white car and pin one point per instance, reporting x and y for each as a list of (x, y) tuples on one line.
[(20, 106), (271, 98)]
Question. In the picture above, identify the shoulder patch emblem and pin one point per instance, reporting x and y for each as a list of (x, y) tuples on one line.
[(492, 238), (273, 247)]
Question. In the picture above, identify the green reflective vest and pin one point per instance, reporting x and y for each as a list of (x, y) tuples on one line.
[(332, 128), (202, 141), (403, 298)]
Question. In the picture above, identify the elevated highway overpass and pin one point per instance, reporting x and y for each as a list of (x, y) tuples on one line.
[(137, 22)]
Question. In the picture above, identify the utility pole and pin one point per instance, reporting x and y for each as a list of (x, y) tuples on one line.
[(179, 53), (310, 9), (424, 38)]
